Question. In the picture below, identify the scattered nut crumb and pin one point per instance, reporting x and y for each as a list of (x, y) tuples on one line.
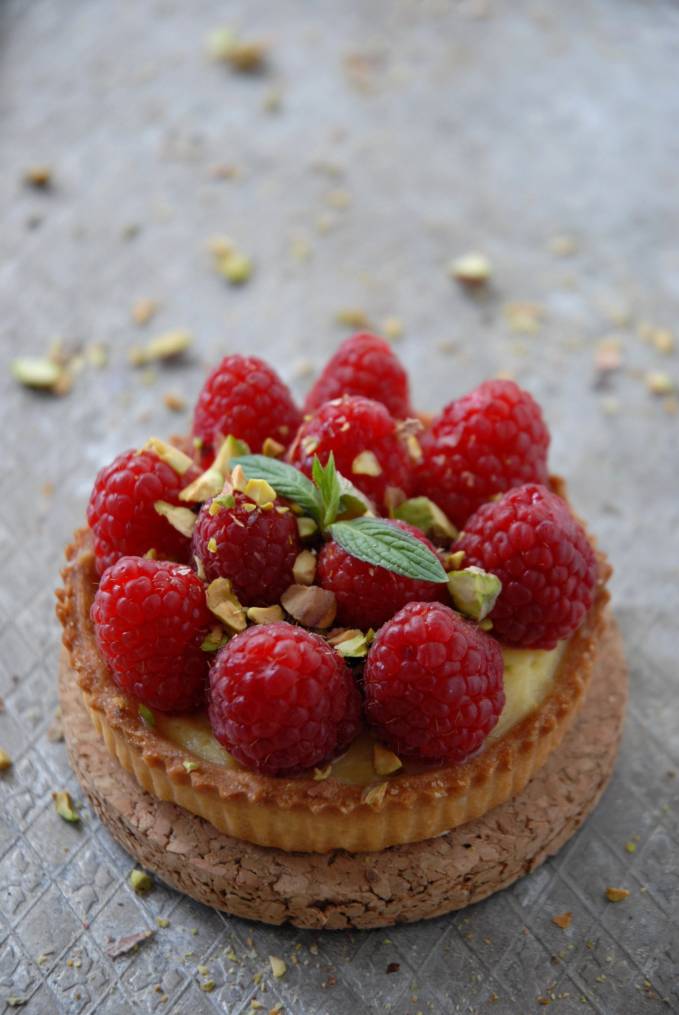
[(524, 318), (140, 881), (38, 177), (174, 402), (278, 967), (471, 269), (169, 345), (127, 944), (64, 806), (352, 317), (616, 894), (246, 57), (563, 920), (143, 310), (41, 373), (659, 383), (311, 605), (5, 761), (392, 328)]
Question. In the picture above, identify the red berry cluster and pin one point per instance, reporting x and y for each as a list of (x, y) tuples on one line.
[(281, 698)]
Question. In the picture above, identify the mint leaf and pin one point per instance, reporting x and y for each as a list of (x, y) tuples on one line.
[(286, 480), (327, 481), (377, 542)]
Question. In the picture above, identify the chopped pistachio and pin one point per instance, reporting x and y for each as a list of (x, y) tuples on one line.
[(166, 346), (167, 453), (486, 624), (631, 847), (146, 715), (474, 592), (392, 327), (663, 340), (37, 372), (272, 449), (97, 355), (352, 644), (453, 561), (140, 881), (366, 464), (471, 269), (161, 921), (414, 448), (309, 444), (64, 806), (375, 795), (259, 491), (39, 177), (234, 266), (278, 967), (311, 605), (200, 568), (321, 774), (212, 544), (659, 383), (352, 317), (427, 516), (306, 527), (525, 318), (264, 614), (563, 920), (616, 894), (224, 603), (207, 986), (180, 518), (214, 640), (143, 310), (304, 568), (238, 478), (5, 761), (385, 761)]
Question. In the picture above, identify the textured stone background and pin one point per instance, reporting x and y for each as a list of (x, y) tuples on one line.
[(408, 133)]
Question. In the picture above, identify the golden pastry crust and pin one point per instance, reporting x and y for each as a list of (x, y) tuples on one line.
[(301, 814)]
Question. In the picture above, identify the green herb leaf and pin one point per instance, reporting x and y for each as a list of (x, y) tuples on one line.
[(327, 481), (377, 542), (286, 480)]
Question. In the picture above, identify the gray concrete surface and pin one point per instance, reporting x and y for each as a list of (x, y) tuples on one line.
[(438, 127)]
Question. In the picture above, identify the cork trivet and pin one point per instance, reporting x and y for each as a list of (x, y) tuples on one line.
[(339, 889)]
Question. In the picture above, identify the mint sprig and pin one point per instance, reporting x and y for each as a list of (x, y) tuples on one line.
[(331, 496)]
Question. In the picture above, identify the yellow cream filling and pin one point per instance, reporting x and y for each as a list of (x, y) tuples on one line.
[(528, 676)]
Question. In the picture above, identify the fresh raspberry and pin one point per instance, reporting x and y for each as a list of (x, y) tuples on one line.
[(351, 427), (490, 440), (244, 397), (150, 618), (256, 549), (280, 698), (121, 512), (364, 365), (542, 556), (368, 595), (433, 684)]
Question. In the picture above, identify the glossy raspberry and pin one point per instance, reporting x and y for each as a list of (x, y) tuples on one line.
[(364, 365), (280, 698), (349, 427), (256, 549), (121, 512), (367, 595), (150, 618), (245, 397), (433, 684), (490, 440), (544, 560)]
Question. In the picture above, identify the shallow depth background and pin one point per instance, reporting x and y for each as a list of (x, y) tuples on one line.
[(384, 140)]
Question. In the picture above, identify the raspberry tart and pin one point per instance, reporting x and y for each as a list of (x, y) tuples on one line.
[(359, 635)]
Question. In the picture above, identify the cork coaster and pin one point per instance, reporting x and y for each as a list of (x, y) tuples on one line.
[(339, 889)]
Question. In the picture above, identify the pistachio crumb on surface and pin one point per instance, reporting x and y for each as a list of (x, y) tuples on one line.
[(385, 761), (169, 345), (180, 518), (278, 966), (38, 372), (304, 568), (5, 761), (366, 464), (353, 317), (265, 614), (139, 881), (659, 383), (321, 774), (617, 894), (174, 401), (375, 795), (311, 605), (224, 603), (64, 806), (169, 454), (471, 269), (563, 920), (143, 310)]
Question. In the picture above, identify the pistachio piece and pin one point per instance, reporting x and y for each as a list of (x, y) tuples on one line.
[(146, 715), (180, 518), (5, 761), (207, 986), (427, 516), (321, 774), (212, 544), (474, 592), (190, 766), (311, 605), (200, 568), (238, 478), (64, 806), (143, 310), (659, 383), (278, 967), (304, 568), (374, 795), (174, 401), (261, 492), (37, 372), (352, 643), (169, 454), (392, 328), (39, 177), (385, 761), (223, 602), (214, 640), (166, 346), (272, 449), (453, 561), (366, 464), (306, 527), (471, 269), (140, 881), (264, 614), (352, 317)]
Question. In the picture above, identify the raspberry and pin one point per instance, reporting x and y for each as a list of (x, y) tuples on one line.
[(150, 618), (121, 512), (281, 698), (364, 365), (364, 440), (368, 595), (544, 560), (256, 549), (433, 684), (490, 440), (245, 397)]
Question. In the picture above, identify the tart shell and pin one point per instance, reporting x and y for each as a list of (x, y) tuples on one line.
[(301, 814)]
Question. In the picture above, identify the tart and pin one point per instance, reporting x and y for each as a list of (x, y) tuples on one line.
[(368, 512)]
